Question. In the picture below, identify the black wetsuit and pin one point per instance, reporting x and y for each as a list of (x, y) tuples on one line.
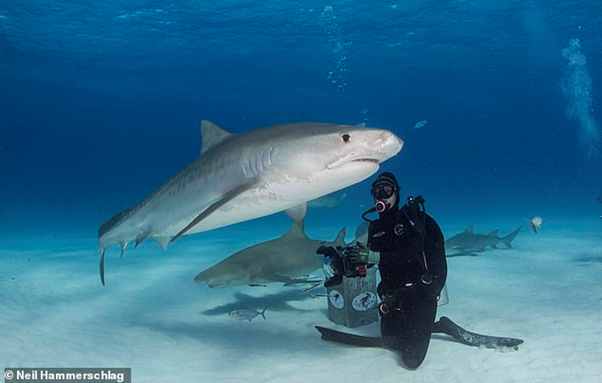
[(413, 270)]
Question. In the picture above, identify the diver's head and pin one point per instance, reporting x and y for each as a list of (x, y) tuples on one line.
[(385, 191)]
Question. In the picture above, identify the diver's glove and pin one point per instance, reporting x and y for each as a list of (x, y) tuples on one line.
[(327, 251), (332, 265), (361, 255)]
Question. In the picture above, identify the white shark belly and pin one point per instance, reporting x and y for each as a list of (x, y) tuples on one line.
[(255, 203), (269, 198)]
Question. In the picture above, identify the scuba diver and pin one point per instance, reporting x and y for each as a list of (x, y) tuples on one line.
[(408, 246)]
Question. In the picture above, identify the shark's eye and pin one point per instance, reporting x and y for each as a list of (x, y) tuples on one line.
[(346, 138)]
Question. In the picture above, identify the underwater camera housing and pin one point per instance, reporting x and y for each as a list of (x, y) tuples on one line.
[(350, 288), (336, 264)]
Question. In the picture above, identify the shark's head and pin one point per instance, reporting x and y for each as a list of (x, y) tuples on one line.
[(228, 273), (329, 157)]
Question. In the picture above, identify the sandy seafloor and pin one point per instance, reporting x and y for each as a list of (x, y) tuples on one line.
[(152, 317)]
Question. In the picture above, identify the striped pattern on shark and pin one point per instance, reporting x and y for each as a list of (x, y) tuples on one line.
[(248, 175)]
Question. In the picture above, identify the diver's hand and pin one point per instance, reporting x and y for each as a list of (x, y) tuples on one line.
[(327, 251), (358, 254)]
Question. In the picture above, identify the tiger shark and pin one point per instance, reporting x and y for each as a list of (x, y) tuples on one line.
[(283, 259), (243, 176), (328, 201)]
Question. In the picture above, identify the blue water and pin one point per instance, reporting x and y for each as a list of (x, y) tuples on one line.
[(100, 101)]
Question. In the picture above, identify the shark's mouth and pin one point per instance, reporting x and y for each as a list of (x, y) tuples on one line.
[(373, 160), (347, 161)]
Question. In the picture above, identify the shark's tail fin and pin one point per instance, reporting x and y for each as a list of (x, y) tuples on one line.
[(263, 312), (507, 240), (104, 229)]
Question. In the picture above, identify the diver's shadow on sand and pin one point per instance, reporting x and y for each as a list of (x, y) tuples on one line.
[(274, 302)]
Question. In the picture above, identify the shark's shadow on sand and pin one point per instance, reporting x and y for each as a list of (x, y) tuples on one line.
[(588, 258), (274, 302), (248, 338), (257, 337)]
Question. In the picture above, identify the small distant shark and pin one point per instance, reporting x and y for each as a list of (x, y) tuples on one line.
[(469, 243), (249, 175), (281, 260)]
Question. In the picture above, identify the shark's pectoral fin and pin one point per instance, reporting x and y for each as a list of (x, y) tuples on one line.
[(207, 212), (123, 246), (304, 282), (163, 241), (288, 281), (141, 237), (307, 289)]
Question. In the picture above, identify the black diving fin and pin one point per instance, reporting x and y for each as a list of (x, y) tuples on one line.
[(443, 326), (446, 326)]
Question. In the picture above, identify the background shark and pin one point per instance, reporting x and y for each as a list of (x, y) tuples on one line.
[(469, 243), (283, 259), (327, 201), (248, 175)]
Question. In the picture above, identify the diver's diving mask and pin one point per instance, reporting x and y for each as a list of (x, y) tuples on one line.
[(382, 191), (384, 195)]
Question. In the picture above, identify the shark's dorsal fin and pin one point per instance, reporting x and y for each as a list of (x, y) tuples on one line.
[(493, 233), (361, 233), (340, 239), (211, 135), (469, 230), (296, 230)]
